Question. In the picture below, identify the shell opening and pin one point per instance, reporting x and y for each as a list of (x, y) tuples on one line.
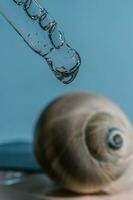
[(114, 139)]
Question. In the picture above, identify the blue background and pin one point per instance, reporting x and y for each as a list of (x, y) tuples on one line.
[(101, 31)]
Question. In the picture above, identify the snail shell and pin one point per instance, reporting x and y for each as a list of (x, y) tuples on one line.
[(85, 142)]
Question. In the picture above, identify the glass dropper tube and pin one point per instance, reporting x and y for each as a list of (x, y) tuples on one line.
[(43, 35)]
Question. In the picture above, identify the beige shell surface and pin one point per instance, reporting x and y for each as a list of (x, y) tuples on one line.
[(71, 144)]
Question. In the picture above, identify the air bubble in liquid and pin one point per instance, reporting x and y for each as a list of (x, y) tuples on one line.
[(56, 36), (46, 21), (33, 9)]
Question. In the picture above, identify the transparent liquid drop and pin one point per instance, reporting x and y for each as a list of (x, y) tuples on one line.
[(43, 34)]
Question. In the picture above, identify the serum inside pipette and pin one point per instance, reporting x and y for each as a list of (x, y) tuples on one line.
[(46, 38)]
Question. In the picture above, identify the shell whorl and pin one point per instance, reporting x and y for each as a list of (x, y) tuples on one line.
[(74, 143)]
